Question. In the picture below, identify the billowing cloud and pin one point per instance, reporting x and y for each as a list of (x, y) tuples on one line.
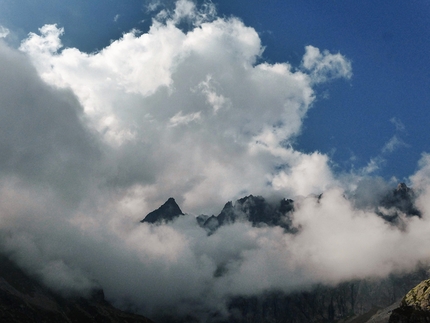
[(193, 109), (91, 142)]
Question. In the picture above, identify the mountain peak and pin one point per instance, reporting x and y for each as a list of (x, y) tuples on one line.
[(401, 199), (402, 187), (167, 212), (253, 209)]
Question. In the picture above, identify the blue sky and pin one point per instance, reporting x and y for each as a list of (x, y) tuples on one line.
[(387, 43)]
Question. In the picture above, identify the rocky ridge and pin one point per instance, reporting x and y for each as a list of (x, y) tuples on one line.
[(256, 210), (360, 301)]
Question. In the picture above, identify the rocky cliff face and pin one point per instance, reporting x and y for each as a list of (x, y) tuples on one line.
[(359, 301), (23, 299), (415, 306), (254, 209)]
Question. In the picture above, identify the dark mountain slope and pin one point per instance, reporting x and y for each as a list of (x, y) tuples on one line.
[(23, 299), (167, 212)]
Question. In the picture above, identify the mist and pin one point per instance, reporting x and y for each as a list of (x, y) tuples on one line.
[(92, 142)]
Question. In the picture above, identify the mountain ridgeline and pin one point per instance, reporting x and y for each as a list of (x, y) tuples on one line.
[(365, 300), (259, 212), (254, 209), (23, 298)]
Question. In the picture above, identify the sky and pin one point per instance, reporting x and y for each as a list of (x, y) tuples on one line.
[(110, 108), (386, 43)]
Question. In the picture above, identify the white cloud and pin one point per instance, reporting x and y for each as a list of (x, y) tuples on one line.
[(179, 119), (394, 143), (398, 124), (308, 174), (4, 32), (215, 100), (421, 179), (325, 66), (153, 5), (373, 165), (140, 88), (47, 43)]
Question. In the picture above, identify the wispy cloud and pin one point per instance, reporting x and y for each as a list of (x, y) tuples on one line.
[(398, 124), (4, 32), (180, 119), (393, 144)]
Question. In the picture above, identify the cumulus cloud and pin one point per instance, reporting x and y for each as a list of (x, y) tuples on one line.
[(192, 108), (91, 142), (325, 66)]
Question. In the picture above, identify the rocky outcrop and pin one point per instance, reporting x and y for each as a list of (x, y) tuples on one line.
[(399, 201), (254, 209), (165, 213), (415, 306)]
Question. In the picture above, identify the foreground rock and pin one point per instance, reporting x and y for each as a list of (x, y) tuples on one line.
[(415, 306)]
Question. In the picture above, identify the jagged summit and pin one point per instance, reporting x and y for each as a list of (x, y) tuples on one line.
[(167, 212), (254, 209), (399, 200), (258, 211)]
